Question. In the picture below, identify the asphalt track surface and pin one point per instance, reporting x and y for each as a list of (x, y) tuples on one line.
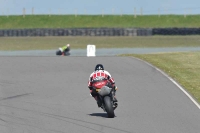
[(50, 95), (100, 51)]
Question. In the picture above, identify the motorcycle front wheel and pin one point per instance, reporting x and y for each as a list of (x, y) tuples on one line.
[(109, 107)]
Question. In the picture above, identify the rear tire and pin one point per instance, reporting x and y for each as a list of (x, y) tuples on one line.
[(109, 107), (58, 52)]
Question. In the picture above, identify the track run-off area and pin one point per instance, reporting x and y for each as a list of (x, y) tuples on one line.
[(49, 95)]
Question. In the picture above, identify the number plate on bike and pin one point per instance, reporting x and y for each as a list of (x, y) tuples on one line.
[(98, 90)]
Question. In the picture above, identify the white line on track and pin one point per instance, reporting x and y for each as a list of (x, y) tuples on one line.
[(173, 81)]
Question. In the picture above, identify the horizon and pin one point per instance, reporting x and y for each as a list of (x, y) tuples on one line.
[(103, 7)]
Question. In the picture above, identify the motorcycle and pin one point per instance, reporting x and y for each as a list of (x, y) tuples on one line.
[(105, 96), (59, 52)]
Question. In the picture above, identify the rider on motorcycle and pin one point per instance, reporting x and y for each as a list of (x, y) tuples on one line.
[(64, 49), (100, 72)]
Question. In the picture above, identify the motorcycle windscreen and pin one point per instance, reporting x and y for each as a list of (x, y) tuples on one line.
[(104, 91)]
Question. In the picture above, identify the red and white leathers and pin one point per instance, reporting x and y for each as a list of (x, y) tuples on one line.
[(100, 73)]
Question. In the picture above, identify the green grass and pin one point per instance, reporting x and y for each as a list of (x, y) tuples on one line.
[(184, 67), (83, 21), (77, 42)]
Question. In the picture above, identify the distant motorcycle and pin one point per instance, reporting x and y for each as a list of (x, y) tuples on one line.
[(106, 95), (64, 53)]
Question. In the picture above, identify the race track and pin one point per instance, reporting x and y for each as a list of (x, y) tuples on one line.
[(50, 95)]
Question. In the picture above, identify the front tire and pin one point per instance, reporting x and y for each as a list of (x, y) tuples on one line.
[(109, 107), (67, 53)]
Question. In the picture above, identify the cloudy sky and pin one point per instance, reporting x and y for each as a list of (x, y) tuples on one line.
[(15, 7)]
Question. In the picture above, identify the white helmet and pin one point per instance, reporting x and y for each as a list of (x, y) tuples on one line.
[(68, 45)]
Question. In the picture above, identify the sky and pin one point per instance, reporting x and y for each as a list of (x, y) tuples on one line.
[(95, 7)]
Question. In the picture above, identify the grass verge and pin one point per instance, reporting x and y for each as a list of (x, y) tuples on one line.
[(78, 42), (183, 67)]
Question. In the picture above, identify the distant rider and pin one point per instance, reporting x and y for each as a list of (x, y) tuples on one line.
[(100, 72), (64, 49)]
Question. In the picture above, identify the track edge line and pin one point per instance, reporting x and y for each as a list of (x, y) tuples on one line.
[(173, 81)]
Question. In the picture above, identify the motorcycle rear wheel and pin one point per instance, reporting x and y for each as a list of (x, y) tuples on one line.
[(58, 52), (109, 107)]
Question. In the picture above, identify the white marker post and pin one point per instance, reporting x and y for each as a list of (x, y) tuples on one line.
[(91, 50)]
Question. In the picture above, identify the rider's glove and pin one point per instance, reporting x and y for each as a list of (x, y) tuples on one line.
[(115, 88)]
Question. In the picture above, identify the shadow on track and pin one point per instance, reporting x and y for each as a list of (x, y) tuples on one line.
[(99, 115)]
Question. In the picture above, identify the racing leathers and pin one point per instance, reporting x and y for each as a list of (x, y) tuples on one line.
[(105, 74), (64, 49)]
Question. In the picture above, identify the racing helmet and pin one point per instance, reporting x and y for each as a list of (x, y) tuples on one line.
[(68, 45), (99, 67)]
